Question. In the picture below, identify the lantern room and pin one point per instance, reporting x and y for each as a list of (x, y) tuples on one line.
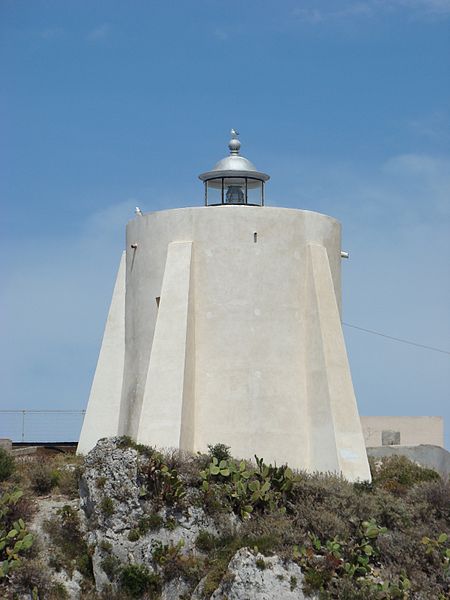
[(234, 179)]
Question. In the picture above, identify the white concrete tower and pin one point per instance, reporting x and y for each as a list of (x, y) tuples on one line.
[(225, 327)]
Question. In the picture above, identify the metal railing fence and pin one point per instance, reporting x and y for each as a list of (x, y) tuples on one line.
[(29, 425)]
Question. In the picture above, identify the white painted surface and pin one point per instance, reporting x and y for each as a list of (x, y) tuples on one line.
[(251, 331), (168, 387), (336, 440), (103, 409)]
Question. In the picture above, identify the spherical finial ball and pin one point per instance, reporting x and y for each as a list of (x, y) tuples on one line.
[(234, 146)]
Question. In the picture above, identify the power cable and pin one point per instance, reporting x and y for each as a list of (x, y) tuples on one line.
[(396, 339)]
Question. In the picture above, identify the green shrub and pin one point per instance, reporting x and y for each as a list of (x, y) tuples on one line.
[(174, 564), (171, 523), (84, 563), (440, 548), (15, 539), (219, 451), (214, 578), (105, 546), (356, 559), (205, 541), (261, 564), (107, 506), (136, 580), (434, 496), (163, 482), (7, 464), (100, 482), (68, 482), (111, 566), (57, 591), (134, 535), (187, 567), (126, 441), (164, 553), (364, 486), (151, 522), (33, 575), (246, 489), (397, 473), (43, 477)]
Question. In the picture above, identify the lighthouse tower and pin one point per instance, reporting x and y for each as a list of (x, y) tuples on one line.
[(225, 327)]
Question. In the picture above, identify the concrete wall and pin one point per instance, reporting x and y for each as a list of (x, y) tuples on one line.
[(404, 431), (245, 346), (432, 457)]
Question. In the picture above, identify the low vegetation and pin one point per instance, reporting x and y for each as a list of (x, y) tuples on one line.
[(15, 539), (69, 551), (7, 465), (383, 540), (136, 580), (380, 541), (22, 568)]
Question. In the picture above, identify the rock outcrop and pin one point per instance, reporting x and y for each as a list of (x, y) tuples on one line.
[(117, 503), (253, 576)]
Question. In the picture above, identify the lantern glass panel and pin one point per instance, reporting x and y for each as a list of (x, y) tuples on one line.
[(235, 190), (254, 192), (214, 191)]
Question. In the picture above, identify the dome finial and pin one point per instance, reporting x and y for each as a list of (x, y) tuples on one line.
[(234, 144)]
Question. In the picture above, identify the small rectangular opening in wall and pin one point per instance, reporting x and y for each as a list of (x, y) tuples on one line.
[(158, 298), (390, 438), (255, 237)]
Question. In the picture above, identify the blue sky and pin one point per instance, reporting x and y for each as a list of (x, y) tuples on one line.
[(109, 105)]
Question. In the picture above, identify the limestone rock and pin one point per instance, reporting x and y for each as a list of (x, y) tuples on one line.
[(175, 590), (110, 480), (256, 577), (112, 472)]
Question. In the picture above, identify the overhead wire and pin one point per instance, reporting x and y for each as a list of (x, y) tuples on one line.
[(396, 339)]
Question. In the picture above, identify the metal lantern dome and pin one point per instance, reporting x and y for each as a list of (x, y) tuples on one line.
[(234, 179)]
